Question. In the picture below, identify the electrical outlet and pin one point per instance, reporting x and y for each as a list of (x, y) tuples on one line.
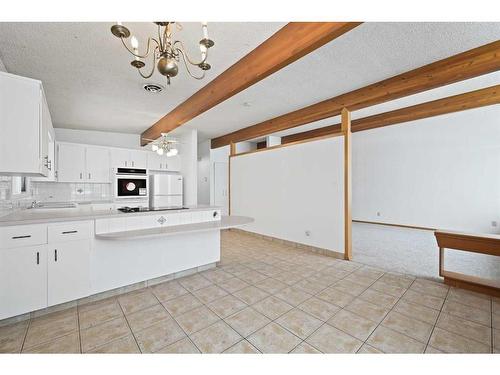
[(494, 223), (308, 233), (378, 213)]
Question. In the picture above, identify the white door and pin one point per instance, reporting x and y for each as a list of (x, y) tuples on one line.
[(138, 159), (70, 163), (68, 271), (23, 280), (221, 196), (120, 158), (97, 165)]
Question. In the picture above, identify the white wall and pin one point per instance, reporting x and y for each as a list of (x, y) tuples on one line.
[(188, 151), (440, 172), (98, 138), (291, 190), (204, 172)]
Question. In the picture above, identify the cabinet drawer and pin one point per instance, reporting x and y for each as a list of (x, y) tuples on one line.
[(23, 235), (69, 231)]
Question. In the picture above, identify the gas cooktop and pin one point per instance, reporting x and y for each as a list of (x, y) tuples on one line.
[(147, 209)]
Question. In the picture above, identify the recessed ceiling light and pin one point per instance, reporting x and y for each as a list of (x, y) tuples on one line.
[(153, 88)]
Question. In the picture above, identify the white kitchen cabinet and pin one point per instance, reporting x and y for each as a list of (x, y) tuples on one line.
[(68, 271), (81, 163), (138, 159), (163, 163), (23, 280), (97, 167), (68, 262), (25, 121), (124, 158), (70, 162)]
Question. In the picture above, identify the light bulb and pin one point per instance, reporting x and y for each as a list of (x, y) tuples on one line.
[(205, 30), (160, 151), (119, 23), (174, 152), (169, 153), (134, 42), (154, 147)]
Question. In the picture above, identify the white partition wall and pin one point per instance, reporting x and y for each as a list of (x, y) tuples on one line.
[(294, 193)]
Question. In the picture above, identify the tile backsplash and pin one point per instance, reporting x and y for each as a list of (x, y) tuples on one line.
[(53, 191)]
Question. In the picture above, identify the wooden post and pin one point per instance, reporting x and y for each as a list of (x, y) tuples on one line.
[(232, 152), (346, 130)]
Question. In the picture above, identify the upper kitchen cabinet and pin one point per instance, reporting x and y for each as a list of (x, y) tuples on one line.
[(25, 122), (123, 158), (81, 163), (97, 167), (163, 163)]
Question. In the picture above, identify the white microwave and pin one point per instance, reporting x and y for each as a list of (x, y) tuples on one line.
[(131, 183)]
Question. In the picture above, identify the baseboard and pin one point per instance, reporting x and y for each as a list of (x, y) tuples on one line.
[(394, 225), (106, 294), (313, 249)]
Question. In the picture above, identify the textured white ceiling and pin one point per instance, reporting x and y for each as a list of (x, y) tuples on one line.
[(366, 54), (90, 84), (87, 77)]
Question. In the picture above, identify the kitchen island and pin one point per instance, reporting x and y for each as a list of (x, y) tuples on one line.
[(54, 256)]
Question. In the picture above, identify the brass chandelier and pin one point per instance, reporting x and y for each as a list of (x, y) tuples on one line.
[(165, 52)]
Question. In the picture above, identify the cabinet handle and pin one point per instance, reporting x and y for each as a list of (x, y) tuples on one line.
[(89, 176), (81, 176), (69, 232), (132, 163), (55, 255), (37, 257), (125, 163), (161, 166), (49, 165), (19, 237), (166, 165)]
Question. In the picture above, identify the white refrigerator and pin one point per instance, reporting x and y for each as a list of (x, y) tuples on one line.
[(165, 191)]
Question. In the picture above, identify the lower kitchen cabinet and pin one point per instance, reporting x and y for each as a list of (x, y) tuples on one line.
[(68, 271), (23, 280)]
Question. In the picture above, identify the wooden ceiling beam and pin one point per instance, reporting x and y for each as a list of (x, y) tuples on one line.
[(466, 65), (474, 99), (290, 43)]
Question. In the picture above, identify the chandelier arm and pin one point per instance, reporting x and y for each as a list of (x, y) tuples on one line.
[(159, 38), (187, 67), (153, 67), (182, 49), (147, 51)]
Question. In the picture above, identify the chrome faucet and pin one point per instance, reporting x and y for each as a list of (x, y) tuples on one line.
[(34, 204)]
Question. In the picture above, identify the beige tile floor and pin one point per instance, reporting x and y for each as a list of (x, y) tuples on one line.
[(266, 297)]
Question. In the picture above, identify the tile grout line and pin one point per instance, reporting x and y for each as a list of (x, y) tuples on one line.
[(437, 319), (176, 322), (25, 335), (378, 325), (128, 324), (79, 328)]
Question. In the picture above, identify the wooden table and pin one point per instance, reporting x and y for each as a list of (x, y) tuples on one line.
[(471, 242)]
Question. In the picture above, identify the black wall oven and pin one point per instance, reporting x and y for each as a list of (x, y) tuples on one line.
[(131, 183)]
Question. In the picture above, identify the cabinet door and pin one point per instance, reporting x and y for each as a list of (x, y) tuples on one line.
[(173, 163), (23, 280), (120, 158), (70, 162), (51, 160), (68, 271), (97, 165), (138, 159), (155, 161), (20, 110)]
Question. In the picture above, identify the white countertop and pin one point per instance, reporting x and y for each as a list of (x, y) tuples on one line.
[(225, 223), (82, 212)]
